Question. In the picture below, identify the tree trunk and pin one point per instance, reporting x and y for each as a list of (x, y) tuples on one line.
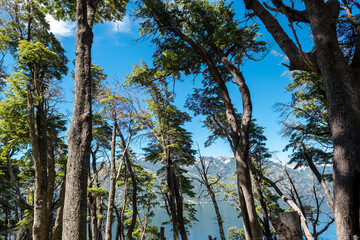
[(203, 171), (111, 199), (172, 204), (287, 226), (134, 196), (263, 208), (56, 231), (341, 79), (79, 137), (241, 151), (51, 179), (92, 210), (38, 138), (179, 208), (20, 200), (123, 207), (342, 85), (217, 211), (95, 202)]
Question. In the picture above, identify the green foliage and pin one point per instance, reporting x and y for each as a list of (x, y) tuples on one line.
[(236, 234), (25, 20), (207, 102), (111, 10), (171, 144), (306, 120), (13, 114), (98, 191), (176, 27), (147, 200), (40, 61), (101, 132)]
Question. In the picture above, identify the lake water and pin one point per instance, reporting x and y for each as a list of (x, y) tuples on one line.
[(207, 224)]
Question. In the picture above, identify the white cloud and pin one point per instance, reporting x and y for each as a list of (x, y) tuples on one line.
[(61, 28), (123, 26)]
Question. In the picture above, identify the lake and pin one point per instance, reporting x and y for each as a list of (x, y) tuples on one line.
[(207, 224)]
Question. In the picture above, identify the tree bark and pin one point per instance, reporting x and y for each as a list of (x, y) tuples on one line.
[(218, 215), (179, 208), (123, 207), (38, 138), (171, 192), (134, 196), (111, 199), (56, 231), (95, 201), (79, 137), (342, 85), (93, 216), (287, 226)]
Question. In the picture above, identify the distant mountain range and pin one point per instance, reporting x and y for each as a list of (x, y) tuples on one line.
[(226, 167)]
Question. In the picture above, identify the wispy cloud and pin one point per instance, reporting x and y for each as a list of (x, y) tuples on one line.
[(124, 26), (61, 28)]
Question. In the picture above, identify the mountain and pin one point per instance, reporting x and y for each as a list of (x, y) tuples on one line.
[(302, 177)]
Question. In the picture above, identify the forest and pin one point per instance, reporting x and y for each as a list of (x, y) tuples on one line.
[(124, 155)]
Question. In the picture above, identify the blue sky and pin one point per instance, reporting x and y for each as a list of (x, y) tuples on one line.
[(117, 48)]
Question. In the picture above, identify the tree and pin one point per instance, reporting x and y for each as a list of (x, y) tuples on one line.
[(146, 200), (202, 36), (40, 60), (335, 57), (209, 183), (88, 13), (170, 143), (309, 131), (306, 125), (126, 125), (101, 143), (19, 157)]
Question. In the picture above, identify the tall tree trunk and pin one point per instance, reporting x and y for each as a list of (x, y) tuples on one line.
[(179, 208), (95, 201), (342, 85), (217, 211), (134, 197), (251, 224), (79, 137), (171, 192), (239, 135), (111, 199), (203, 171), (38, 138)]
